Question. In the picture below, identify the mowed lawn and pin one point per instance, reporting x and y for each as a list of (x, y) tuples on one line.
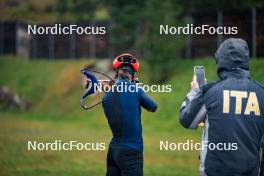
[(54, 88), (17, 160)]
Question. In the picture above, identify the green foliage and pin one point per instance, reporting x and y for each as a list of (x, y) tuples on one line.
[(162, 49), (136, 27), (69, 10), (126, 17), (27, 10), (225, 5), (82, 10)]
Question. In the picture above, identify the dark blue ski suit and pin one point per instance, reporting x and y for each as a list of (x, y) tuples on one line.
[(123, 112)]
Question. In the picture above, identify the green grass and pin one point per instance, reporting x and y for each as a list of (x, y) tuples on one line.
[(54, 88)]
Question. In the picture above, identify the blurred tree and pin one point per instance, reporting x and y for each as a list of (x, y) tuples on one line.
[(126, 17), (81, 10), (226, 5), (136, 28), (162, 49)]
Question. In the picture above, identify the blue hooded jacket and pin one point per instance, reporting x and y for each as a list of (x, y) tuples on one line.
[(233, 111)]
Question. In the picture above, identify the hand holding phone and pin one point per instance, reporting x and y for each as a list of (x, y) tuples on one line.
[(199, 73)]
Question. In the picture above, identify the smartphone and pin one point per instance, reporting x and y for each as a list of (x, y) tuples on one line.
[(199, 71)]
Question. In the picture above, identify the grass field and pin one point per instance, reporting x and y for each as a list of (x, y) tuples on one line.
[(54, 88)]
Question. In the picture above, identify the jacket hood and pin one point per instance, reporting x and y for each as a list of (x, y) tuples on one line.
[(232, 54)]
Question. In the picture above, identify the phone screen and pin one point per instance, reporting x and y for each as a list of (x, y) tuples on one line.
[(199, 71)]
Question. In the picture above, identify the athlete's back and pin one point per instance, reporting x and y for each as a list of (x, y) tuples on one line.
[(123, 112)]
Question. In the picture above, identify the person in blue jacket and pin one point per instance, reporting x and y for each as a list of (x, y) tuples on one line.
[(233, 111), (123, 112)]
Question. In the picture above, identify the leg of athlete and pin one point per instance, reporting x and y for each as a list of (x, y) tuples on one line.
[(112, 167), (130, 161)]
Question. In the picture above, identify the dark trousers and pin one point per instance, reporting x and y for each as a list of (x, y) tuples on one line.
[(124, 161)]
